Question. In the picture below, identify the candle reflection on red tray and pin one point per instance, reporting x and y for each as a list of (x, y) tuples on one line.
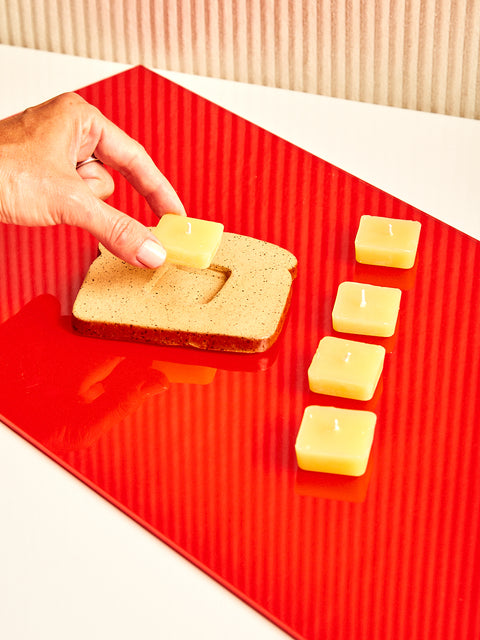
[(331, 486)]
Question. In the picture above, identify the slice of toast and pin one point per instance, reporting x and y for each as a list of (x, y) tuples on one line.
[(238, 304)]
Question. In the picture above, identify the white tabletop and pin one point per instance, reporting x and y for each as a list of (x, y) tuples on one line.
[(71, 565)]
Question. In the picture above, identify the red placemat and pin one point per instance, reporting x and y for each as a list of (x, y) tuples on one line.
[(199, 447)]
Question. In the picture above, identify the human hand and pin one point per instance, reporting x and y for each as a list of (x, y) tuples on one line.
[(41, 185)]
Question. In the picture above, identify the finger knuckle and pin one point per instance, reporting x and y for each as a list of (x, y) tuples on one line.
[(122, 233), (69, 100), (138, 151)]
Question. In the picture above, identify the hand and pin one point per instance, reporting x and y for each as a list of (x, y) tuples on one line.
[(41, 185)]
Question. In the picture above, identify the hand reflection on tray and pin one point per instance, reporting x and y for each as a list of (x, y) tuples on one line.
[(65, 390)]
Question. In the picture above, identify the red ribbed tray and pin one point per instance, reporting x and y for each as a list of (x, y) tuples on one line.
[(199, 447)]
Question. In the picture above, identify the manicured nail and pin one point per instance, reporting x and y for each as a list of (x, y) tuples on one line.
[(151, 254)]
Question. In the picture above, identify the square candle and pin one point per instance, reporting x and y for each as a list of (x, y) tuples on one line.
[(191, 242), (366, 309), (346, 368), (332, 440), (387, 242)]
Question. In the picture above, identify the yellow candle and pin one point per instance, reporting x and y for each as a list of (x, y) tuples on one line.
[(366, 309), (332, 440), (346, 368), (191, 242), (387, 242)]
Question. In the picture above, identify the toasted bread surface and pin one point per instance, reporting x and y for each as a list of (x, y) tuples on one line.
[(238, 304)]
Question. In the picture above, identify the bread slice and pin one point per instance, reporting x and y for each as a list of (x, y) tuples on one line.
[(238, 304)]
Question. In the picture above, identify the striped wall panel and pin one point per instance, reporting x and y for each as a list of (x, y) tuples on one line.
[(417, 54)]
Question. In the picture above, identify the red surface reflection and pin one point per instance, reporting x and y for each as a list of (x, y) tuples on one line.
[(331, 486), (205, 459), (82, 386)]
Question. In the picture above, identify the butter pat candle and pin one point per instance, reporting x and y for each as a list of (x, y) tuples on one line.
[(346, 368), (191, 242), (387, 242), (332, 440), (366, 309)]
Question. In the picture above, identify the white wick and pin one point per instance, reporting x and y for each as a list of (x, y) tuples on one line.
[(390, 230), (347, 357), (189, 228), (336, 426), (363, 303)]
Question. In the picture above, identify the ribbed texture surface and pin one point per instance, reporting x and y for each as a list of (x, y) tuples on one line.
[(418, 54), (210, 468)]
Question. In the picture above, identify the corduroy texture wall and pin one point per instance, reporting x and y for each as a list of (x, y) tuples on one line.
[(418, 54)]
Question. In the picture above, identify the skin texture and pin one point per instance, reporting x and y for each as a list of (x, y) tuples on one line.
[(40, 184)]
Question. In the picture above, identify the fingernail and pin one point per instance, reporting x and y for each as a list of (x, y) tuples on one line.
[(151, 254)]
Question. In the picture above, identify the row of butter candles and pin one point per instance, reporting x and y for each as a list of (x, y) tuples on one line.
[(335, 440)]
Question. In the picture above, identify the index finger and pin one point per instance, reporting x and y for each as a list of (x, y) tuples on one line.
[(127, 156)]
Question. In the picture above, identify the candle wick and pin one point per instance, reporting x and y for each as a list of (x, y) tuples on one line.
[(336, 425), (189, 228), (390, 230), (363, 303), (347, 357)]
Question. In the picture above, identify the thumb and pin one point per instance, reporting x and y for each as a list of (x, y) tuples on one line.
[(124, 236)]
